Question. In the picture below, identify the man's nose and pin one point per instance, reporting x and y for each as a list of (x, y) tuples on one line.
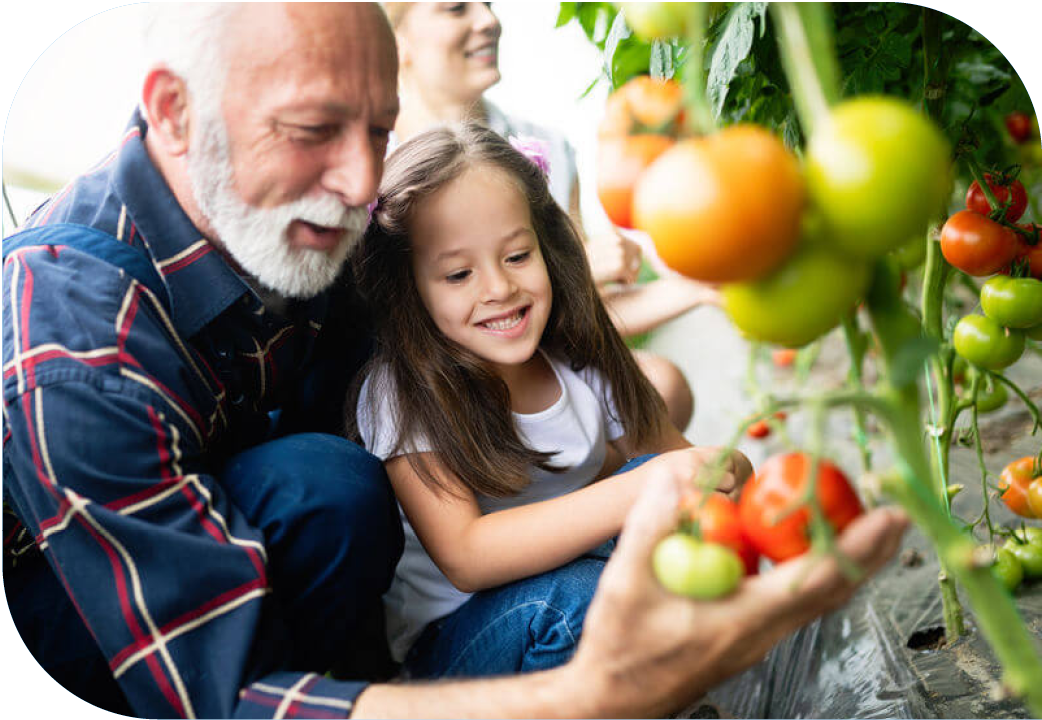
[(353, 170)]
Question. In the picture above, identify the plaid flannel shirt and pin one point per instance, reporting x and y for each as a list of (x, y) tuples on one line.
[(117, 413)]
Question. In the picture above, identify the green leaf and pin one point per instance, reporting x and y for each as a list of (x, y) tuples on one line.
[(661, 64), (619, 31), (731, 48), (909, 358), (632, 57), (566, 13)]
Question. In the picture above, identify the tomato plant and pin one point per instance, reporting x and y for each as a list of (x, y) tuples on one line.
[(723, 208), (976, 244), (1012, 302), (687, 566), (1014, 482), (1011, 191), (878, 170), (986, 344), (802, 300), (777, 488)]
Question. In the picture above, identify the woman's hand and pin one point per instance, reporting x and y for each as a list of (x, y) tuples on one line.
[(613, 259)]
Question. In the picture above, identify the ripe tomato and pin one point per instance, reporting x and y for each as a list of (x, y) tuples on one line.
[(718, 523), (1031, 254), (976, 244), (762, 428), (620, 162), (1014, 482), (1012, 302), (1018, 125), (722, 208), (776, 487), (696, 569), (878, 170), (801, 301), (643, 104), (986, 344), (1034, 494), (1012, 193), (783, 357), (1007, 569)]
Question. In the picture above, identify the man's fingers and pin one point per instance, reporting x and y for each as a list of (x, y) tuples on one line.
[(652, 517)]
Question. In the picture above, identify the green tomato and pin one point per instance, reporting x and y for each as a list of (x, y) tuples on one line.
[(1030, 535), (1007, 569), (912, 254), (991, 395), (1012, 302), (687, 566), (656, 20), (801, 301), (878, 170), (1034, 333), (986, 344), (1029, 555)]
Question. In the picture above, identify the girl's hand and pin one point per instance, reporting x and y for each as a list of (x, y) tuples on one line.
[(613, 259), (688, 465)]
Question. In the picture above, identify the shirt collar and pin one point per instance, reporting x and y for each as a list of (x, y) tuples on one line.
[(200, 282)]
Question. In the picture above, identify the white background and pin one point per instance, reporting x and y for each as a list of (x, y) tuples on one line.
[(65, 105)]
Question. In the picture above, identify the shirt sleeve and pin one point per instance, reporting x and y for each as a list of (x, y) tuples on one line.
[(104, 462), (602, 391), (377, 418)]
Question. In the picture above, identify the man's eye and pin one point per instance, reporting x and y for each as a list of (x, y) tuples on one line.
[(312, 133), (458, 277)]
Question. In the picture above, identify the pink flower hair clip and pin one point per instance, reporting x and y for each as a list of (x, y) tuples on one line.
[(534, 149)]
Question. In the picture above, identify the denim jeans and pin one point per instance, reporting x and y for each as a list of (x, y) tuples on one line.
[(530, 624)]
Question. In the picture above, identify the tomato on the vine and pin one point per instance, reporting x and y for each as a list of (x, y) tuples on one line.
[(762, 428), (976, 244), (620, 163), (1012, 302), (878, 170), (783, 357), (1013, 192), (656, 20), (1029, 554), (1018, 125), (1029, 254), (805, 298), (776, 488), (991, 395), (723, 208), (718, 522), (643, 105), (687, 566), (986, 344), (1007, 569), (1014, 482), (1034, 493)]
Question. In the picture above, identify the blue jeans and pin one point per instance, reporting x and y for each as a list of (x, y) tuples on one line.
[(530, 624), (333, 535)]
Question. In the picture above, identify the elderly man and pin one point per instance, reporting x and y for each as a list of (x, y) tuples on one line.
[(187, 534)]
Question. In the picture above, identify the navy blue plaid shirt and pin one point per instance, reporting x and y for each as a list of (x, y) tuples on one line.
[(118, 407)]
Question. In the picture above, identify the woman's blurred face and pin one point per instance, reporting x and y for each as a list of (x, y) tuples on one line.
[(450, 48)]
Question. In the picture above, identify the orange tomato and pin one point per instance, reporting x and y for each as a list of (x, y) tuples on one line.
[(724, 208), (783, 357), (620, 162), (643, 104), (718, 522), (1014, 482)]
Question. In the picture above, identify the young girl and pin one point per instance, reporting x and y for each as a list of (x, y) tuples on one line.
[(499, 393)]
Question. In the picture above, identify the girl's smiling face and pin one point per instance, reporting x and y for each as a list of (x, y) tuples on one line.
[(478, 266)]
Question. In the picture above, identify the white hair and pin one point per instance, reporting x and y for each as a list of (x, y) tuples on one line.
[(190, 38)]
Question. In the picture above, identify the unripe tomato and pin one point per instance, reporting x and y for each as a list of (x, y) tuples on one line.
[(774, 490), (1013, 193), (1012, 302), (976, 244), (1029, 555), (656, 20), (1034, 494), (1014, 482), (878, 170), (1031, 535), (1007, 569), (620, 162), (695, 569), (802, 300), (986, 344), (718, 522), (911, 255), (643, 104), (991, 395), (723, 208)]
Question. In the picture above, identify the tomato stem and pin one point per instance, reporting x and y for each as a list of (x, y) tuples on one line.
[(857, 346), (805, 45), (700, 118)]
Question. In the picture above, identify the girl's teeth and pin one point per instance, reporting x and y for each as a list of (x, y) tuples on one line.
[(504, 324)]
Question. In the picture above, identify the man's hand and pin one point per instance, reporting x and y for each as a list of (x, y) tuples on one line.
[(687, 465), (646, 652), (613, 259)]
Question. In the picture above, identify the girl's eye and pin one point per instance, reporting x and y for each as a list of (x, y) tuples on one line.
[(458, 277), (520, 257)]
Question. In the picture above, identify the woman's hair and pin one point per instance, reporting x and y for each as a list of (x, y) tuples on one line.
[(396, 12), (446, 393)]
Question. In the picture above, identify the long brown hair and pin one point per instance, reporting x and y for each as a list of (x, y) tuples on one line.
[(447, 393)]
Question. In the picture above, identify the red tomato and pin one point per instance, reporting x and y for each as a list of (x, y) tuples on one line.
[(776, 487), (718, 523), (1014, 482), (1013, 193), (1032, 254), (620, 162), (762, 428), (783, 357), (1018, 125), (976, 244)]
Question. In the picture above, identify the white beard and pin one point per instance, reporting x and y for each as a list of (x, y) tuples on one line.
[(257, 237)]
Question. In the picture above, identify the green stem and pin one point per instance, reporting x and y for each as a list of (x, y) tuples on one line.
[(856, 346), (700, 119), (808, 59)]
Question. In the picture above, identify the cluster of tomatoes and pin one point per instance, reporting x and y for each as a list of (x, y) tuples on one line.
[(982, 240), (1019, 558), (790, 243), (720, 540)]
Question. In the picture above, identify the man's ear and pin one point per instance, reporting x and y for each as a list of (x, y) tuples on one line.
[(164, 99)]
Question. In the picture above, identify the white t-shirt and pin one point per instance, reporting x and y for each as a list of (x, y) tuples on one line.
[(577, 427)]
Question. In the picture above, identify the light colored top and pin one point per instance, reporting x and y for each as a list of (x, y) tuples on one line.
[(577, 427)]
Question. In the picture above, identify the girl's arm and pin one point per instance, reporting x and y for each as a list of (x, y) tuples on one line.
[(478, 551), (637, 309)]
